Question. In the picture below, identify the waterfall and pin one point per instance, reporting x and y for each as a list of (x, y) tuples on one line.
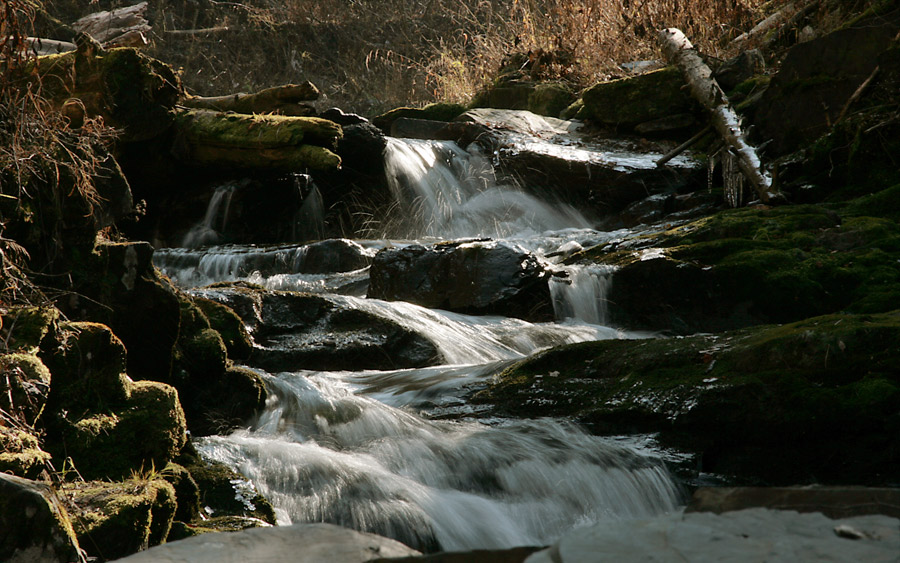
[(208, 231), (309, 220), (444, 191), (321, 452), (582, 294)]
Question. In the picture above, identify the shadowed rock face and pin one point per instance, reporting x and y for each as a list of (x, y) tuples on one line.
[(817, 79), (478, 278), (296, 331), (35, 525)]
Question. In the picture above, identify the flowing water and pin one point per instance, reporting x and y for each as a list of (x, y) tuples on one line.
[(401, 453)]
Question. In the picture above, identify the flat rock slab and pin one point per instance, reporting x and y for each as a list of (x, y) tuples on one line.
[(756, 534), (301, 543), (834, 502)]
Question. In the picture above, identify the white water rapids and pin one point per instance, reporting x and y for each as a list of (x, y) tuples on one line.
[(399, 453)]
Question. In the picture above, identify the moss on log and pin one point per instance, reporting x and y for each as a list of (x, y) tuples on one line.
[(257, 141)]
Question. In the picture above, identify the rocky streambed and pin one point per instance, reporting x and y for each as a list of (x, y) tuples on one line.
[(481, 332)]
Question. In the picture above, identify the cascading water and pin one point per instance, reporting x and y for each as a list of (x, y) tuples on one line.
[(444, 191), (582, 293), (215, 220), (401, 453)]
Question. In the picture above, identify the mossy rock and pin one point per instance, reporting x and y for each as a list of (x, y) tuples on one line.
[(754, 266), (229, 326), (201, 351), (130, 91), (24, 328), (123, 290), (120, 518), (509, 94), (627, 102), (20, 453), (550, 98), (87, 363), (187, 493), (28, 381), (145, 431), (35, 525), (813, 401), (439, 111), (230, 401), (225, 492)]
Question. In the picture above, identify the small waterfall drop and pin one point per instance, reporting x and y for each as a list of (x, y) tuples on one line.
[(309, 220), (582, 294), (444, 191), (208, 231), (323, 453)]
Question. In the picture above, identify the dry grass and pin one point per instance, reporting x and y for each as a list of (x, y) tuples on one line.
[(372, 55)]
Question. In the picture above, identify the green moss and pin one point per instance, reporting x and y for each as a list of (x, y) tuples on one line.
[(228, 493), (550, 98), (825, 386), (630, 101), (23, 328), (118, 519), (147, 430), (258, 131), (20, 453), (884, 203), (230, 326)]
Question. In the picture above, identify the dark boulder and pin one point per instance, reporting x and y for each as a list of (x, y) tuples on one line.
[(816, 401), (34, 525), (294, 331), (816, 80), (475, 277)]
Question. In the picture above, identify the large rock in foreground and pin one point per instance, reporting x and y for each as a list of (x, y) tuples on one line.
[(34, 526), (301, 543), (476, 278), (811, 402)]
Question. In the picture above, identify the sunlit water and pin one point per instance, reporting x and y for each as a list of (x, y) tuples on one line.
[(401, 453)]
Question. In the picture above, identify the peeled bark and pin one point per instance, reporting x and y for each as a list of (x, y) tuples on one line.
[(283, 100), (256, 141), (724, 120)]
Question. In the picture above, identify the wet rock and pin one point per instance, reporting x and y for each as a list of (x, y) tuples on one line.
[(758, 404), (556, 160), (122, 289), (35, 525), (301, 543), (816, 80), (221, 404), (224, 492), (118, 519), (477, 277), (626, 102), (304, 331), (229, 326)]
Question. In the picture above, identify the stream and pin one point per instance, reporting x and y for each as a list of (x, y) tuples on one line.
[(400, 452)]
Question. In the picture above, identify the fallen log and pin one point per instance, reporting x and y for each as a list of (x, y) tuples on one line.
[(39, 46), (771, 28), (283, 100), (270, 142), (123, 27), (725, 121)]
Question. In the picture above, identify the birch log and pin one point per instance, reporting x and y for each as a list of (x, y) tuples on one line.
[(725, 121), (123, 27)]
